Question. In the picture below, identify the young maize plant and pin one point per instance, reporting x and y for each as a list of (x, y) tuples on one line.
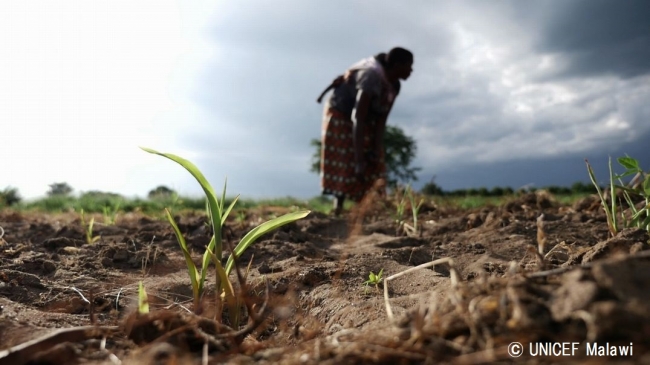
[(640, 217), (415, 210), (217, 214), (88, 228)]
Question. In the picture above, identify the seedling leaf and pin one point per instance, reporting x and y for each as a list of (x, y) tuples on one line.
[(629, 163), (215, 208), (261, 230), (191, 267)]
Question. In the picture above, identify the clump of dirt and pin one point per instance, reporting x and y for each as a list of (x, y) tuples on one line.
[(63, 300)]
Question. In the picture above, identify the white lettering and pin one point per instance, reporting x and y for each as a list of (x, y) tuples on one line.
[(594, 349)]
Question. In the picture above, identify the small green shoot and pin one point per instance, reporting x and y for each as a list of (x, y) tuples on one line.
[(88, 228), (110, 214), (217, 213), (640, 217), (143, 300), (639, 186), (610, 211), (374, 279), (415, 209), (407, 197)]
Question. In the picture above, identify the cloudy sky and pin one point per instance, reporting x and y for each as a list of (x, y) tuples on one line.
[(504, 93)]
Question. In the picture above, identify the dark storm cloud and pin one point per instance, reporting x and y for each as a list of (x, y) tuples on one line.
[(539, 172), (598, 36), (479, 100)]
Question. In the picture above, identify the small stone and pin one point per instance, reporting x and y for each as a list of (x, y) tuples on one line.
[(70, 250)]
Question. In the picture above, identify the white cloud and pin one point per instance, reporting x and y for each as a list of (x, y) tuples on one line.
[(82, 85)]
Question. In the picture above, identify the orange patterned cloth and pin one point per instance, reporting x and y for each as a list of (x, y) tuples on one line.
[(337, 158)]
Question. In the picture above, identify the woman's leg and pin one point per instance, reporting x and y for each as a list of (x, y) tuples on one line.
[(338, 204)]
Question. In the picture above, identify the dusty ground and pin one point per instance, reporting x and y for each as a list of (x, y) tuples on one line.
[(497, 290)]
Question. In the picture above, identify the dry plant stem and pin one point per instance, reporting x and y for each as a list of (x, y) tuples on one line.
[(81, 295), (2, 232), (22, 353), (446, 260), (541, 235)]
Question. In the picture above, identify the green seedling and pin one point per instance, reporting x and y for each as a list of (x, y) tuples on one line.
[(374, 279), (110, 214), (640, 217), (143, 300), (400, 210), (217, 214), (402, 200), (610, 211), (241, 218), (88, 228), (415, 210)]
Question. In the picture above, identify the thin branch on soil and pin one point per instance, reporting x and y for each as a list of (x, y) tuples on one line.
[(117, 300), (178, 305), (2, 232), (80, 294), (447, 260)]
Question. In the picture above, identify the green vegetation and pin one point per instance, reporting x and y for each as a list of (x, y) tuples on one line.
[(403, 196), (88, 228), (112, 204), (374, 279), (110, 214), (578, 188), (9, 197), (218, 213), (59, 189), (637, 189)]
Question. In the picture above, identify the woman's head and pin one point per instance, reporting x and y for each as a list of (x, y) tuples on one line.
[(400, 61)]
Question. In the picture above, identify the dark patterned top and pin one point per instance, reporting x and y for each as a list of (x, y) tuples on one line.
[(369, 79)]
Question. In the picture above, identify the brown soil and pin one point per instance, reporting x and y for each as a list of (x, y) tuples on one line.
[(63, 301)]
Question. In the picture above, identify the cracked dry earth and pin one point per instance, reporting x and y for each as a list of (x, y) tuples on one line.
[(64, 301)]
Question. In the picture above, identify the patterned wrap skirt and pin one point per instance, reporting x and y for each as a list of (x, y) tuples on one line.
[(337, 166)]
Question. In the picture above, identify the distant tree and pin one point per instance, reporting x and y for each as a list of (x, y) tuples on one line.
[(558, 190), (9, 196), (497, 191), (457, 192), (59, 189), (161, 192), (483, 191), (431, 188), (580, 187), (400, 152)]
